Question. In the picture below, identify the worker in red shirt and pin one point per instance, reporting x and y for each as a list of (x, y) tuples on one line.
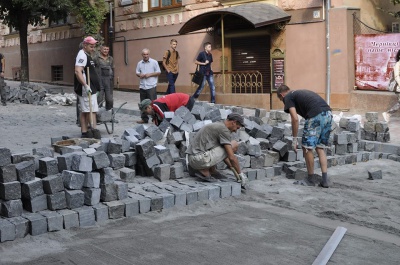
[(170, 102)]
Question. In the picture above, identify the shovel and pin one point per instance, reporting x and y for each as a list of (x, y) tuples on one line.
[(92, 133)]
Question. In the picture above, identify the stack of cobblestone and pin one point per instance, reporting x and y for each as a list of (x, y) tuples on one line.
[(145, 170), (37, 95)]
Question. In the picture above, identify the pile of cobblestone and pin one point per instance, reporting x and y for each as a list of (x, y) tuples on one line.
[(37, 95), (89, 182)]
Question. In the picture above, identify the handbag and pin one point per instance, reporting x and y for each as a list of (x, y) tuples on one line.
[(197, 76)]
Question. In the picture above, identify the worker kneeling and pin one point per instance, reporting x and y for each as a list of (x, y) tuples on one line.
[(212, 144)]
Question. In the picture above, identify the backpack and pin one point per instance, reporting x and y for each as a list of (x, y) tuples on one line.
[(169, 56)]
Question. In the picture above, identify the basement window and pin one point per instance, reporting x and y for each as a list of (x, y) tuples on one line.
[(57, 73)]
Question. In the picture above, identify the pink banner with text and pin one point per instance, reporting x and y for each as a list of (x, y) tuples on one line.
[(375, 59)]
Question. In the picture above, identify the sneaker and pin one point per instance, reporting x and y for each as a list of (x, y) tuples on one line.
[(386, 116)]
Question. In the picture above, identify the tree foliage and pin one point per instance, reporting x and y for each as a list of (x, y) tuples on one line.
[(19, 14)]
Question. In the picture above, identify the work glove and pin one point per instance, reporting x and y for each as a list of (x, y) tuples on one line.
[(243, 179), (294, 144), (88, 89)]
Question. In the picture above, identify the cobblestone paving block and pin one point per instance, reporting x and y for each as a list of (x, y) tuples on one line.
[(32, 158), (290, 156), (101, 212), (340, 138), (21, 226), (250, 173), (168, 115), (269, 171), (32, 189), (53, 184), (11, 208), (100, 160), (64, 162), (226, 189), (198, 125), (372, 116), (127, 174), (114, 147), (131, 207), (156, 203), (73, 180), (145, 148), (164, 154), (70, 149), (350, 159), (352, 148), (7, 231), (300, 173), (162, 172), (164, 125), (70, 218), (353, 125), (280, 147), (175, 138), (48, 166), (176, 121), (132, 140), (261, 174), (38, 223), (25, 171), (257, 162), (144, 202), (277, 132), (107, 175), (116, 209), (122, 190), (109, 192), (199, 112), (36, 204), (81, 163), (43, 152), (179, 194), (374, 173), (343, 122), (117, 161), (130, 159), (54, 220), (177, 171), (10, 190), (191, 194), (154, 133), (92, 196), (92, 180), (17, 157), (8, 173), (74, 198), (86, 216), (253, 147), (383, 137), (341, 149)]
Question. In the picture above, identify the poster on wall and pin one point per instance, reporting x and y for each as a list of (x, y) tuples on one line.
[(375, 59), (278, 68)]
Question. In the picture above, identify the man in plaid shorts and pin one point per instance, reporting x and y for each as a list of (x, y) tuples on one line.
[(317, 127)]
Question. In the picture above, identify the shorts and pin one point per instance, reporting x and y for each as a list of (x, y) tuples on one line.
[(207, 159), (84, 104), (317, 131)]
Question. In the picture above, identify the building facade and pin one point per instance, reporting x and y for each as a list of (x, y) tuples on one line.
[(292, 42)]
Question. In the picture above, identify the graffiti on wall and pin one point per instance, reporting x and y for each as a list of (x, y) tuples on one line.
[(375, 59)]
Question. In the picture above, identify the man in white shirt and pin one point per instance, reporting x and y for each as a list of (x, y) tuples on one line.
[(148, 71), (82, 89)]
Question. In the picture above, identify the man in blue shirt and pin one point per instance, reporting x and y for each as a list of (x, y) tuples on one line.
[(204, 59), (148, 71)]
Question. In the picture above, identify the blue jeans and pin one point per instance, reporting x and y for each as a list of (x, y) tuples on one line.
[(210, 81), (171, 82)]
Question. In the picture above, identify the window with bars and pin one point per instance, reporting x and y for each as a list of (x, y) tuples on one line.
[(57, 73), (161, 4)]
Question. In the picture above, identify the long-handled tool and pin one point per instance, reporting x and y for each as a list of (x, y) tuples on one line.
[(92, 133)]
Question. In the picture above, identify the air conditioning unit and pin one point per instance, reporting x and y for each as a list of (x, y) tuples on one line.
[(395, 27)]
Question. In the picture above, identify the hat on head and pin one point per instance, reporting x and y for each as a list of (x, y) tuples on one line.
[(142, 105), (90, 40), (236, 117)]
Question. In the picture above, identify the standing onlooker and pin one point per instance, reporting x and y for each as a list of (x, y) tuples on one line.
[(83, 61), (148, 71), (104, 64), (171, 65), (396, 72), (204, 59), (317, 127), (2, 83)]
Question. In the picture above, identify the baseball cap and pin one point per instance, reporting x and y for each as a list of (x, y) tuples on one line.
[(142, 105), (236, 117), (90, 40)]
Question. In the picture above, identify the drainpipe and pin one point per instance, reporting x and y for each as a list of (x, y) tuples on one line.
[(111, 30), (328, 55)]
